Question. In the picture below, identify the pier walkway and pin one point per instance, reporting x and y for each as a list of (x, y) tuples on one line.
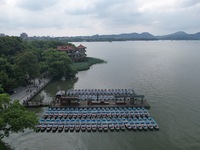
[(25, 94)]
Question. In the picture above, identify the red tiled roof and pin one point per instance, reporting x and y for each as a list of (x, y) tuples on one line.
[(81, 47), (65, 48)]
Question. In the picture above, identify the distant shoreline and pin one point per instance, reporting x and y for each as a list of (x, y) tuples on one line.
[(144, 36)]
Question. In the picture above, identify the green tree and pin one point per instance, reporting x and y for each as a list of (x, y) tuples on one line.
[(7, 75), (14, 117), (58, 64), (28, 65), (9, 46)]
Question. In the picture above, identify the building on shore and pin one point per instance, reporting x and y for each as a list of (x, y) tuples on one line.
[(24, 36), (2, 35), (77, 54)]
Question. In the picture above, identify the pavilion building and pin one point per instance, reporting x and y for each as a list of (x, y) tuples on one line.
[(77, 54)]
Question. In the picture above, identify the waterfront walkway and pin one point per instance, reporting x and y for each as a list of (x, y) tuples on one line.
[(25, 94)]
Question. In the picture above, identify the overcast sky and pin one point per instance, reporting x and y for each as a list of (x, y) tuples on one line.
[(89, 17)]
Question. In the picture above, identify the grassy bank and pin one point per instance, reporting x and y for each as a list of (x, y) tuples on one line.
[(88, 63)]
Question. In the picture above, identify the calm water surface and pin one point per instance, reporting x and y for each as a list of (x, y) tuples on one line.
[(166, 72)]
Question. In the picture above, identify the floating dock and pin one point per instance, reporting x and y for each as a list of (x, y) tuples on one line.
[(97, 110), (97, 119), (100, 97)]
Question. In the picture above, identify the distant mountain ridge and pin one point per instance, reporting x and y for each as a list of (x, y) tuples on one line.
[(126, 36), (180, 35)]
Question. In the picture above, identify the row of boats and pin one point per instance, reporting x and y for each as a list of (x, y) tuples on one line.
[(111, 112), (97, 124), (93, 119), (124, 92), (94, 108)]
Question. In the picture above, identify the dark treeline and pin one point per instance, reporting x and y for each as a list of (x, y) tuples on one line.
[(23, 61)]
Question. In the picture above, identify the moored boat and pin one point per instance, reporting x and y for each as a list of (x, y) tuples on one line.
[(83, 128), (100, 128), (38, 127), (43, 128), (54, 127), (139, 127), (94, 127), (60, 115), (109, 115), (105, 127), (60, 127), (114, 114), (88, 127), (93, 115), (74, 115), (128, 126), (155, 125), (150, 126), (89, 115), (55, 115), (144, 126), (98, 115), (77, 128), (111, 127), (65, 115), (134, 127), (71, 128), (45, 115), (84, 115), (49, 127), (70, 115), (66, 128), (117, 128), (122, 127), (79, 115)]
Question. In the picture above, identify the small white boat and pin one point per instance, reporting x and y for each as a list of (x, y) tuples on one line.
[(88, 127), (66, 128), (83, 128), (60, 127), (94, 127), (49, 127), (100, 128), (77, 128)]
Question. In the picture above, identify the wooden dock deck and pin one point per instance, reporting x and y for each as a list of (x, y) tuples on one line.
[(145, 104), (38, 104), (95, 98), (109, 103)]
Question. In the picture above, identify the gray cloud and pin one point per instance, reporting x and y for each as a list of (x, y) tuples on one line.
[(189, 3), (35, 5), (98, 16)]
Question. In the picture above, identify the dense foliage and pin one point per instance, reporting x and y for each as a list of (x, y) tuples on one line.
[(58, 64), (14, 117), (22, 61), (89, 62)]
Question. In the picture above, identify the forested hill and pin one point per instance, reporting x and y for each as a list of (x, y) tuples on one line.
[(22, 61), (124, 37)]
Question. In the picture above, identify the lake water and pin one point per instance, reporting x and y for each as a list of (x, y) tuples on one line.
[(166, 72)]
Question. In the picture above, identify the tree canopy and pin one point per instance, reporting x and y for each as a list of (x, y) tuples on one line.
[(28, 64), (22, 61), (14, 117), (58, 64)]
